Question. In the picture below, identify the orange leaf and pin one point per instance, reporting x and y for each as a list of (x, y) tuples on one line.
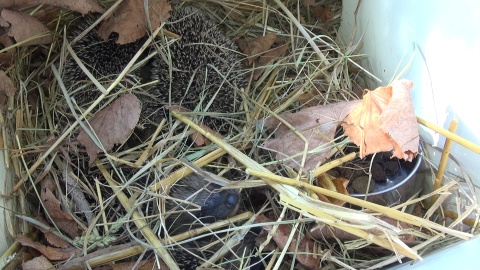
[(385, 121), (112, 125)]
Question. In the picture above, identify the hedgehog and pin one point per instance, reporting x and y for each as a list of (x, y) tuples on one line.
[(203, 71), (215, 204)]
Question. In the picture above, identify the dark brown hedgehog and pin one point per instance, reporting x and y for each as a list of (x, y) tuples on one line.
[(202, 70), (215, 204)]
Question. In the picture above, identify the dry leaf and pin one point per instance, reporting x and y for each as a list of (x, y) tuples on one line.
[(255, 47), (38, 263), (305, 249), (53, 254), (199, 140), (82, 6), (6, 89), (317, 124), (267, 57), (323, 13), (129, 19), (313, 97), (385, 122), (63, 220), (51, 238), (112, 125), (23, 26), (6, 58)]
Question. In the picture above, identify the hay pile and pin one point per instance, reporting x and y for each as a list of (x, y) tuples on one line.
[(307, 68)]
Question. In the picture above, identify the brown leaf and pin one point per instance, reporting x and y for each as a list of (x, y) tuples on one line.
[(6, 58), (317, 124), (129, 19), (307, 254), (7, 89), (313, 97), (385, 121), (51, 238), (323, 13), (255, 47), (38, 263), (63, 220), (82, 6), (112, 125), (23, 26), (53, 254), (267, 57), (199, 140)]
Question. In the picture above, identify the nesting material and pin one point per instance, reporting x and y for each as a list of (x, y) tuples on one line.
[(113, 207)]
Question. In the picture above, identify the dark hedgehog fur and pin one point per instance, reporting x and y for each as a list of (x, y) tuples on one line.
[(101, 58), (201, 71), (215, 204), (204, 66)]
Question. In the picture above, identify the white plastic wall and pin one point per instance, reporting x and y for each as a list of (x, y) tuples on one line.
[(440, 42)]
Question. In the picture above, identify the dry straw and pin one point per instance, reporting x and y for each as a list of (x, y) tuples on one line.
[(314, 61)]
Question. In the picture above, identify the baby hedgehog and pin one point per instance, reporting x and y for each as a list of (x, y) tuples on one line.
[(202, 70)]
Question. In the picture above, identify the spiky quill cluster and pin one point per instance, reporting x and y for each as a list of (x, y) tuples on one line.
[(201, 71)]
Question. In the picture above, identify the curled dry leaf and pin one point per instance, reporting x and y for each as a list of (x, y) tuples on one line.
[(130, 21), (112, 125), (307, 253), (255, 47), (53, 254), (7, 89), (38, 263), (23, 26), (63, 220), (385, 121), (317, 124)]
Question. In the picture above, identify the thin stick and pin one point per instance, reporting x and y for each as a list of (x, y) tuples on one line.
[(398, 215), (452, 136), (443, 160)]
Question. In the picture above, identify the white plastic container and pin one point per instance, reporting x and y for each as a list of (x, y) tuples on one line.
[(439, 42)]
